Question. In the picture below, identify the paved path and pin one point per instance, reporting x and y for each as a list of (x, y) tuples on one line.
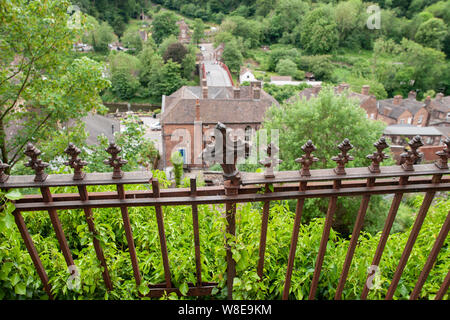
[(216, 76)]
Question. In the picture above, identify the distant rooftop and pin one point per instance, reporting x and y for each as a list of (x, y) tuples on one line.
[(410, 130)]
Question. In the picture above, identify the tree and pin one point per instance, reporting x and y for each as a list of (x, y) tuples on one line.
[(41, 86), (199, 31), (327, 120), (232, 56), (124, 70), (286, 67), (425, 65), (432, 33), (166, 78), (176, 51), (132, 40), (319, 33), (102, 37), (164, 24)]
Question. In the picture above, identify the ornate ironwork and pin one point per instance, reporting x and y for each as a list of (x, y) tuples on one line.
[(410, 157), (74, 162), (343, 158), (271, 160), (226, 151), (115, 161), (307, 159), (443, 155), (36, 164), (378, 156)]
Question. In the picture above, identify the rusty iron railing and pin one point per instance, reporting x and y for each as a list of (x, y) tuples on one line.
[(407, 177)]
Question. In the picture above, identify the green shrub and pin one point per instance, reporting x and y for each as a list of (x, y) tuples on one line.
[(19, 280)]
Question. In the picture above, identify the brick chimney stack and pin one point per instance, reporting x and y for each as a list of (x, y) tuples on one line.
[(397, 99), (342, 87), (365, 90), (204, 83), (237, 92), (439, 96), (427, 102), (205, 92), (197, 110), (256, 93), (412, 95)]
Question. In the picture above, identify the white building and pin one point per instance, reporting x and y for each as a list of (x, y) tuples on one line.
[(246, 75)]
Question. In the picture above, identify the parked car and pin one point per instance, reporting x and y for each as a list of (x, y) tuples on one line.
[(155, 126)]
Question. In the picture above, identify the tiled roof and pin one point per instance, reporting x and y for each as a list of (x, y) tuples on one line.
[(220, 106)]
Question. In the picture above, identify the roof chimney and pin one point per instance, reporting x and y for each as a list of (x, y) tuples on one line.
[(316, 89), (397, 99), (256, 93), (204, 83), (427, 102), (205, 92), (342, 87), (365, 90), (236, 92), (197, 110), (412, 95), (253, 86), (439, 96)]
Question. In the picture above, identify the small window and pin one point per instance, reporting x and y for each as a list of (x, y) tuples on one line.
[(402, 121), (409, 120), (183, 154), (448, 116)]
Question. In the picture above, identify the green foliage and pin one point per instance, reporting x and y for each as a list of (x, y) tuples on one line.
[(286, 67), (19, 280), (199, 31), (432, 33), (102, 36), (39, 75), (164, 24), (232, 56), (319, 34), (282, 93)]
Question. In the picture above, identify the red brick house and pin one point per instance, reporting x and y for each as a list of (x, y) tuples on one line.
[(190, 114), (431, 112)]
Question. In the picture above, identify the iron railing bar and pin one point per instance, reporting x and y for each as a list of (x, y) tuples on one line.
[(431, 258), (412, 239), (91, 179), (444, 287), (195, 225), (353, 241), (47, 196), (178, 201), (323, 243), (97, 247), (128, 235), (32, 252), (162, 235), (207, 191), (294, 240), (385, 234), (263, 236)]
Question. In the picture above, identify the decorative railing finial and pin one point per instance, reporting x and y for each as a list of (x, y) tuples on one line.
[(271, 160), (307, 159), (226, 151), (3, 176), (74, 162), (36, 164), (115, 161), (378, 156), (443, 155), (409, 158), (343, 158)]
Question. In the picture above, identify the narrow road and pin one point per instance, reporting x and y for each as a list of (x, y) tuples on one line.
[(216, 76)]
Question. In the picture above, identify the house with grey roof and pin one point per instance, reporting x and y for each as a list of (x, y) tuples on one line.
[(189, 115)]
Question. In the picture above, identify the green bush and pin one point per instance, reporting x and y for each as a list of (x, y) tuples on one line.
[(19, 280)]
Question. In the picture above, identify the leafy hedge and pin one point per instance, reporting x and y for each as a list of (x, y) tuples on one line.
[(19, 280)]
